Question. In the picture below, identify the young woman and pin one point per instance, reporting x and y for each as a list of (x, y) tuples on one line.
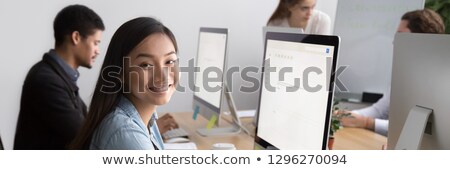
[(301, 14), (139, 73)]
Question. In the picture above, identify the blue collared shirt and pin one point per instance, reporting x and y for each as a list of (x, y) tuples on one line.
[(74, 74), (123, 129)]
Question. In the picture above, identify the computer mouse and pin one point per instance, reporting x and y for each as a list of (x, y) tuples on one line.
[(177, 140)]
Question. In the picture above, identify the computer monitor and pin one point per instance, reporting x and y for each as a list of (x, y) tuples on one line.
[(211, 61), (420, 77), (296, 96)]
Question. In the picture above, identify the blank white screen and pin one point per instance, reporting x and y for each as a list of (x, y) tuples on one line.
[(211, 53)]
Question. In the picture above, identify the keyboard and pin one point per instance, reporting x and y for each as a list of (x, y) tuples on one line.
[(179, 132)]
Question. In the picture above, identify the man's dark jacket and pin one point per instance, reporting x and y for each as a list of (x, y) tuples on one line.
[(51, 111)]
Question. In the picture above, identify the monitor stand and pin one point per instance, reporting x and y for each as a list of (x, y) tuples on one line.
[(236, 125), (411, 136)]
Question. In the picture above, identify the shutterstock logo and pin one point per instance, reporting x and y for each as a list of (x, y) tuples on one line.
[(212, 78)]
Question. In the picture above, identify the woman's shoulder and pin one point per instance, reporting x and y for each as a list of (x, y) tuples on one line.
[(117, 126), (319, 15), (278, 23), (119, 119)]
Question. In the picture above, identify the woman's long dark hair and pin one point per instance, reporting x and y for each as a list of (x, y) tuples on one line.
[(282, 10), (109, 85)]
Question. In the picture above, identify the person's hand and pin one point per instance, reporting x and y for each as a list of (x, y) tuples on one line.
[(356, 120), (166, 123)]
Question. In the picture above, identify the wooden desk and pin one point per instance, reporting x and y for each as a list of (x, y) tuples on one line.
[(345, 138), (242, 141), (358, 139)]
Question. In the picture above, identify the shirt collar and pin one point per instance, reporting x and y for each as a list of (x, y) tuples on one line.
[(126, 105), (74, 74)]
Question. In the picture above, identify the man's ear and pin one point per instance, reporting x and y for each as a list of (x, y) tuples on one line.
[(75, 37)]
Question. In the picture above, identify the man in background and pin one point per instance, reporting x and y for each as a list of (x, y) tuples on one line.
[(51, 110), (376, 117)]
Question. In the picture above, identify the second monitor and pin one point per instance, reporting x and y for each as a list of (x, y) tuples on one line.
[(420, 70), (297, 91), (211, 63)]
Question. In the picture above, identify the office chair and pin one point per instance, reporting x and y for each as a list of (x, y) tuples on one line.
[(1, 144)]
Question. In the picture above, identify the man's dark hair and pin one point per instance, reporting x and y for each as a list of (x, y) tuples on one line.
[(424, 21), (76, 18)]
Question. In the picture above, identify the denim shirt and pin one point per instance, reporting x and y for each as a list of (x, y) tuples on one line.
[(123, 129)]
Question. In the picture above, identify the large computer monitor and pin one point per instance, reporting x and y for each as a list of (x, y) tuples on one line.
[(420, 77), (294, 113), (211, 61)]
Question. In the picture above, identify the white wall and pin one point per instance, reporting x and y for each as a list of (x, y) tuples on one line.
[(367, 29), (26, 33), (329, 7)]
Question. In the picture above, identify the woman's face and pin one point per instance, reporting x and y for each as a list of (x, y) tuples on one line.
[(302, 11), (151, 69)]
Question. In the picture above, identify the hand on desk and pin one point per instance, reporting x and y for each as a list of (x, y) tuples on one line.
[(356, 120), (166, 123)]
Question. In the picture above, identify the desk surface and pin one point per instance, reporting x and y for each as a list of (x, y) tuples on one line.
[(358, 139), (346, 138), (242, 141)]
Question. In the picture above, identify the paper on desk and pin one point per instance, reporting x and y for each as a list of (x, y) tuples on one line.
[(180, 146), (243, 113), (246, 113)]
